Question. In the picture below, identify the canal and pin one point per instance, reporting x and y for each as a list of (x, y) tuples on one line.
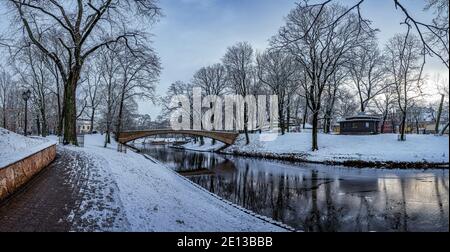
[(315, 197)]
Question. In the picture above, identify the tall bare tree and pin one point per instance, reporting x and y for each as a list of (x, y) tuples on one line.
[(92, 89), (83, 28), (6, 87), (238, 61), (109, 68), (367, 73), (139, 72), (320, 38), (404, 54), (433, 35), (211, 79), (276, 69)]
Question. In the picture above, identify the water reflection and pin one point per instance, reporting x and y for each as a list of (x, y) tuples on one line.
[(319, 197)]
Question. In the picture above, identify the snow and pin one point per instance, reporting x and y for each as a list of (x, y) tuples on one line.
[(14, 147), (155, 198), (207, 146), (382, 147)]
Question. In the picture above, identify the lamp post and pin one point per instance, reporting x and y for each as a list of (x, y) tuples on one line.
[(25, 96)]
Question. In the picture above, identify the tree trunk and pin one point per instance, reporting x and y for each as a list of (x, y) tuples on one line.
[(444, 129), (70, 108), (119, 119), (403, 127), (92, 119), (58, 99), (107, 137), (315, 121), (38, 125), (385, 114), (44, 122), (438, 119), (327, 124), (281, 116), (288, 116), (305, 115), (4, 116), (247, 139), (393, 125), (417, 127)]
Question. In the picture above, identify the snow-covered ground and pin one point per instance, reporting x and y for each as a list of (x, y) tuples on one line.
[(155, 198), (14, 147), (383, 147), (207, 146)]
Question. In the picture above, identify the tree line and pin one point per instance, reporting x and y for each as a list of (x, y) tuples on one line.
[(93, 60), (326, 63), (79, 59)]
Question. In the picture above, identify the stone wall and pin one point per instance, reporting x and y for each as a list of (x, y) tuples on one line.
[(15, 175)]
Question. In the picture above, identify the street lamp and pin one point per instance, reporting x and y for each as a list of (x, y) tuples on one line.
[(25, 96)]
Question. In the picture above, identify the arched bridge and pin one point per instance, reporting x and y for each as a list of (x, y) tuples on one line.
[(222, 136)]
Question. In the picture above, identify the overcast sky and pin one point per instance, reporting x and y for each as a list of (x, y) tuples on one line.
[(196, 33)]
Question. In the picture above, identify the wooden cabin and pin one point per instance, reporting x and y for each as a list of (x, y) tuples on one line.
[(360, 124)]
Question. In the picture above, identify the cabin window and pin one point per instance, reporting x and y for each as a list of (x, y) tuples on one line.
[(367, 125), (355, 125)]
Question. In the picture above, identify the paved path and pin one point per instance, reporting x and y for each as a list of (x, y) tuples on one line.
[(69, 195)]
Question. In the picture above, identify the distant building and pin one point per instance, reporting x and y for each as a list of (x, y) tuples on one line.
[(430, 128), (387, 127), (83, 126), (360, 124)]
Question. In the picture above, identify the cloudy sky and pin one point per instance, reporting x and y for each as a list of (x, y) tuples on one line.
[(196, 33)]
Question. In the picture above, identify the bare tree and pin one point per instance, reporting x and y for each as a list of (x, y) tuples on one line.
[(444, 91), (331, 97), (92, 88), (211, 79), (276, 69), (434, 35), (30, 65), (140, 71), (404, 54), (367, 73), (384, 103), (175, 89), (109, 67), (320, 38), (346, 104), (5, 89), (84, 27), (238, 61)]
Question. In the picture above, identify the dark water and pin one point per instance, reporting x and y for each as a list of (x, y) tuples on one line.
[(315, 197)]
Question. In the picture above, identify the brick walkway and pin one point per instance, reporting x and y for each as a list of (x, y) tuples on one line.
[(69, 195)]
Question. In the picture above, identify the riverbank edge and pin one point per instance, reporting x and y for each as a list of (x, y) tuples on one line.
[(245, 210), (302, 158)]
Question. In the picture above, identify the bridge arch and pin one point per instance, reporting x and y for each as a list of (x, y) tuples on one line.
[(221, 136)]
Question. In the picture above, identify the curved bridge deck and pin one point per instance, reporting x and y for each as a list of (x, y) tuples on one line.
[(222, 136)]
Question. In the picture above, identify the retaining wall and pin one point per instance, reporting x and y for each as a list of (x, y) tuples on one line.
[(15, 175)]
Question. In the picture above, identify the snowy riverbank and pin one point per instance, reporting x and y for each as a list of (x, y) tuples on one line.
[(153, 198), (208, 145), (15, 147), (383, 148)]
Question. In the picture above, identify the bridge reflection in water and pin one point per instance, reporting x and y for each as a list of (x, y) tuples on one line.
[(319, 197)]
